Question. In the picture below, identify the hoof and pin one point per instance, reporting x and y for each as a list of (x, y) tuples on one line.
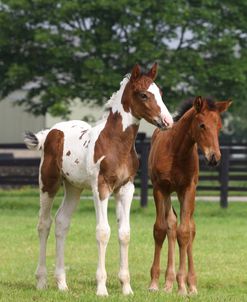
[(193, 291), (62, 286), (182, 291), (127, 290), (41, 284), (102, 291), (168, 288), (153, 287), (61, 282)]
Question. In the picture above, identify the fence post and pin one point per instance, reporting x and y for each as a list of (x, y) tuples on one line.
[(224, 176), (144, 174)]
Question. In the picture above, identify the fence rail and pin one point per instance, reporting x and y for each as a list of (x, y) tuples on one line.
[(229, 176)]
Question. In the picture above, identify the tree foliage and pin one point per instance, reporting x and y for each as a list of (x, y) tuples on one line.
[(80, 48)]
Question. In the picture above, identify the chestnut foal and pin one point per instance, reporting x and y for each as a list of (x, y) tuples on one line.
[(173, 167), (102, 157)]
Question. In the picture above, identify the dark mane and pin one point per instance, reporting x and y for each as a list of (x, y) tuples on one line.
[(187, 104)]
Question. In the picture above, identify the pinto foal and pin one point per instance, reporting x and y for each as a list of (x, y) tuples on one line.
[(103, 158), (173, 167)]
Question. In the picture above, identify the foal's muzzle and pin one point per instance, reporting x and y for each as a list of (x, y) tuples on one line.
[(212, 161), (162, 124)]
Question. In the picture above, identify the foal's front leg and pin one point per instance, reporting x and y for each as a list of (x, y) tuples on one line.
[(102, 236), (63, 217), (159, 234), (124, 199), (171, 236)]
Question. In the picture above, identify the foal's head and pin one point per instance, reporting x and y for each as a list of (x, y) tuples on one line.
[(206, 126), (142, 97)]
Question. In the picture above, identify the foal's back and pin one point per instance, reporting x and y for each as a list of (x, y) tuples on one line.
[(77, 142)]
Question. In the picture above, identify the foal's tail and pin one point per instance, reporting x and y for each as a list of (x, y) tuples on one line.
[(35, 141)]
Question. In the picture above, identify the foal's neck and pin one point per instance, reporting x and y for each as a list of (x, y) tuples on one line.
[(183, 142), (119, 109), (122, 128)]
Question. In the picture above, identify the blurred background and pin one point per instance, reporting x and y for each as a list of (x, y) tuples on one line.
[(63, 60)]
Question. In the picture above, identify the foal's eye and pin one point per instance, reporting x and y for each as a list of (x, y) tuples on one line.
[(202, 126), (143, 96)]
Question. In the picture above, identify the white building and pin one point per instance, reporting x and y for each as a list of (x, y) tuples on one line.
[(14, 120)]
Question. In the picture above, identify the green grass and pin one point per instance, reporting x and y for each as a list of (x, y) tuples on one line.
[(220, 251)]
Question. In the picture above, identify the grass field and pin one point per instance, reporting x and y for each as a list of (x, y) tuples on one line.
[(220, 253)]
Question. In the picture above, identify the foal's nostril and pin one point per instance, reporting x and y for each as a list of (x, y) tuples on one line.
[(167, 124), (213, 161)]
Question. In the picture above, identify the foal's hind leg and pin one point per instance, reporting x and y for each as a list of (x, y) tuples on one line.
[(63, 217), (187, 199), (191, 278), (171, 236), (43, 227), (159, 234), (49, 183)]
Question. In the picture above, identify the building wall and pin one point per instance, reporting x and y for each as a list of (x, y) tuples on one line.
[(14, 121), (92, 114)]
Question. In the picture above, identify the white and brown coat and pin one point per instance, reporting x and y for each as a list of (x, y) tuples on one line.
[(103, 158)]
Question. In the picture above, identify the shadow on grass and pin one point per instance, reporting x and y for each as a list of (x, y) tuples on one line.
[(18, 285), (27, 200), (32, 204)]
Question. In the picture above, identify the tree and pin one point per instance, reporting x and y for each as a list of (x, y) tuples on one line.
[(79, 48)]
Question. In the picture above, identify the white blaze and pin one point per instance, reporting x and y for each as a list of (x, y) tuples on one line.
[(165, 114)]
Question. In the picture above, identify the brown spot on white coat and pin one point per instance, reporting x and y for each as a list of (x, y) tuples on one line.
[(52, 162), (82, 133)]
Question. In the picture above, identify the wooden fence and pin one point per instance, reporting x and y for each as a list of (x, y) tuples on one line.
[(229, 176)]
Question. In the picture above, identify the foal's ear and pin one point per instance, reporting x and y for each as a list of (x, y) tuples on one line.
[(198, 103), (135, 73), (153, 72), (223, 106)]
